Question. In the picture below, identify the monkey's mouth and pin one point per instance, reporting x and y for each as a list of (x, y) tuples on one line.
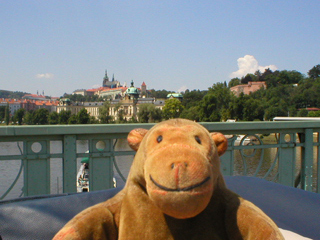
[(184, 189)]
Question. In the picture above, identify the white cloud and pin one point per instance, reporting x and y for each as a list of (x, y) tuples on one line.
[(45, 75), (248, 64), (182, 89)]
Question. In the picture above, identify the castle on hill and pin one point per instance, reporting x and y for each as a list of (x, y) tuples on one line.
[(110, 89), (122, 99)]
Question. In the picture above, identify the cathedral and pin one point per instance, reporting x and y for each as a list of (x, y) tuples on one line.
[(110, 84)]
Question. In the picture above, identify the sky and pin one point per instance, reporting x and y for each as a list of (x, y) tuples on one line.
[(58, 46)]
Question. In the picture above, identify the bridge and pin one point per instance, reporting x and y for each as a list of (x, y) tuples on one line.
[(294, 159)]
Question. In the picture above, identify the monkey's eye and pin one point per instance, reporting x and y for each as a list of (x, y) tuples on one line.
[(159, 138), (198, 139)]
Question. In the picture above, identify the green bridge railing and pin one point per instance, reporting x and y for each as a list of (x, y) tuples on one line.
[(283, 152)]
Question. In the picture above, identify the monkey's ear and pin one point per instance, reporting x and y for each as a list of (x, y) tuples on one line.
[(135, 137), (221, 142)]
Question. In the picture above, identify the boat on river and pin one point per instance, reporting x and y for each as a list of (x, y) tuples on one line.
[(83, 176)]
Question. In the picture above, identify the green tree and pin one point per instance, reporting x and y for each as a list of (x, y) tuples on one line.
[(18, 115), (159, 93), (120, 113), (307, 94), (288, 77), (191, 113), (73, 119), (208, 109), (133, 120), (172, 108), (81, 98), (53, 118), (2, 112), (215, 106), (192, 98), (121, 118), (64, 117), (234, 82), (41, 116), (104, 113), (266, 73), (303, 113), (249, 78), (253, 110), (272, 112), (93, 120), (10, 94), (7, 114), (237, 105), (29, 118), (83, 116), (314, 72), (314, 114), (149, 113)]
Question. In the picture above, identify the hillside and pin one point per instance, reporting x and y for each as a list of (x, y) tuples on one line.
[(11, 94)]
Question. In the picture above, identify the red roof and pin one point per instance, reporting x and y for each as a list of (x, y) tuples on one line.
[(119, 88)]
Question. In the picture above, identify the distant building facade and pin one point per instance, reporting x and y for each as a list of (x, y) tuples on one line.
[(124, 99), (131, 101), (248, 88), (175, 95), (29, 104), (82, 92)]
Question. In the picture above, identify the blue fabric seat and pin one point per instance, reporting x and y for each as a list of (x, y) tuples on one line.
[(41, 217)]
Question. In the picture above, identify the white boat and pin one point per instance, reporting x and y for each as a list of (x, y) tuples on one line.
[(83, 176), (242, 138)]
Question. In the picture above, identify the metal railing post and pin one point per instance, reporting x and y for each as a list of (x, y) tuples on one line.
[(36, 168), (307, 160), (69, 163), (287, 159)]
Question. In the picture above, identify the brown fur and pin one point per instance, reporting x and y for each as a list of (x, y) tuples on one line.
[(175, 190)]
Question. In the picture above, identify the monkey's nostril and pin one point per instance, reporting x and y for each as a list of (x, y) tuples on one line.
[(173, 165)]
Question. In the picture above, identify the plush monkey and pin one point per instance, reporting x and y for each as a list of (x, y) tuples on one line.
[(174, 190)]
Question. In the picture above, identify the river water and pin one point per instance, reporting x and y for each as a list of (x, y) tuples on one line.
[(9, 169)]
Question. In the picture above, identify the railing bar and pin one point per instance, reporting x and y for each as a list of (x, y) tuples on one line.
[(260, 163), (108, 132), (107, 154), (264, 146), (273, 165), (240, 127), (118, 170), (11, 157), (60, 155)]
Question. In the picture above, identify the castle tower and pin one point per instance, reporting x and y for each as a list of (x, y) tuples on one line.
[(132, 94), (105, 79), (144, 89)]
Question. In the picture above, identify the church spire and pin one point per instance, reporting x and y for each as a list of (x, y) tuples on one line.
[(105, 79), (113, 78), (106, 76)]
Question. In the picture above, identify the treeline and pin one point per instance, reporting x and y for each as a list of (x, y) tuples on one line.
[(81, 98), (42, 116), (11, 94), (288, 93)]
